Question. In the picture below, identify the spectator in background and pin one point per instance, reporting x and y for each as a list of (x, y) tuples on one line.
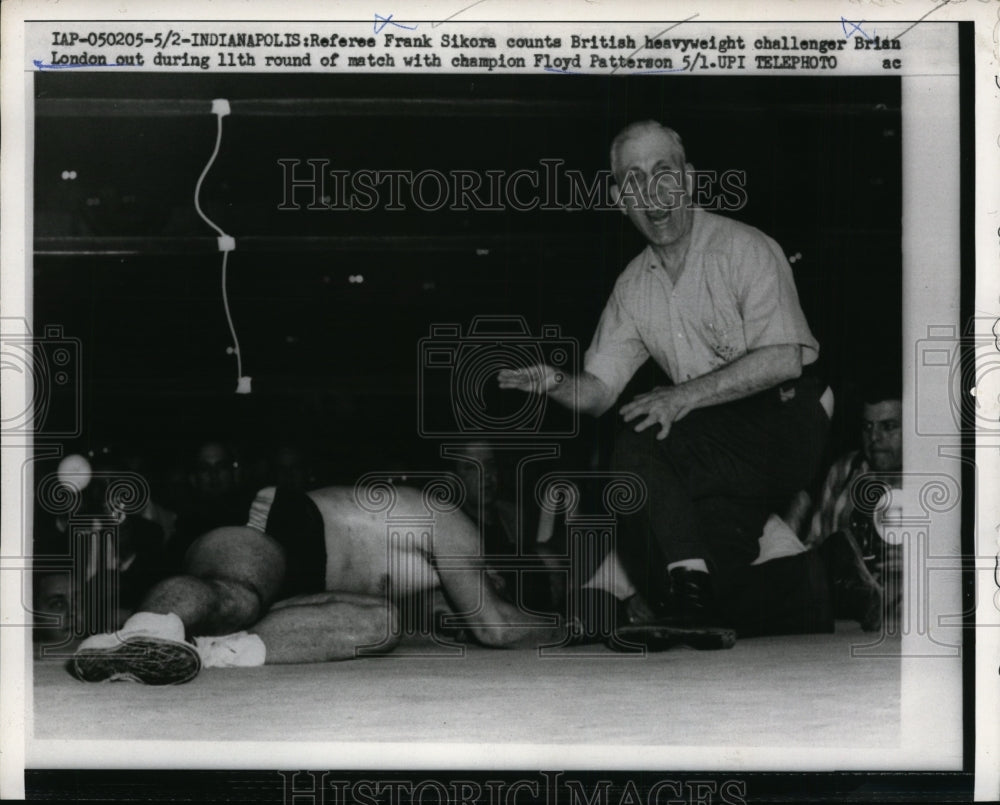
[(487, 501), (96, 562), (509, 530), (137, 461), (864, 570), (290, 465), (217, 497)]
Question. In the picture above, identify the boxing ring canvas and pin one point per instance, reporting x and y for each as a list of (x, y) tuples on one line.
[(799, 691)]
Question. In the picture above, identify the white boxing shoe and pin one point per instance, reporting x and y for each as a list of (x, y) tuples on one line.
[(150, 648)]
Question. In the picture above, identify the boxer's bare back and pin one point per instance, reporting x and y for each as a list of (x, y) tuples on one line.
[(367, 555)]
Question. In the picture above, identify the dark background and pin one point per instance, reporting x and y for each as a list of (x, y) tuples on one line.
[(123, 263)]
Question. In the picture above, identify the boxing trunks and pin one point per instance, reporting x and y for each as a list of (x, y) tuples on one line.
[(292, 519)]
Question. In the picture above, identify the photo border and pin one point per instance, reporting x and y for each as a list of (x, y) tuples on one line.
[(976, 296)]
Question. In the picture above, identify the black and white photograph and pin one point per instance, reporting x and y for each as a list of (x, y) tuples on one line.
[(406, 406)]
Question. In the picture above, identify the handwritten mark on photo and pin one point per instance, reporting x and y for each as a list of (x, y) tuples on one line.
[(461, 11)]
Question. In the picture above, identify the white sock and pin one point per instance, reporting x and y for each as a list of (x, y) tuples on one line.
[(690, 564), (239, 650)]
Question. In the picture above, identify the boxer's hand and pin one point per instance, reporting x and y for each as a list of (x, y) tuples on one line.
[(538, 379), (662, 406)]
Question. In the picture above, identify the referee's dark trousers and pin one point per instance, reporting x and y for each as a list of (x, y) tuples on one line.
[(712, 483)]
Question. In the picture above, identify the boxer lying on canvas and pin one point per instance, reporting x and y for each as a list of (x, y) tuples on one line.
[(311, 578)]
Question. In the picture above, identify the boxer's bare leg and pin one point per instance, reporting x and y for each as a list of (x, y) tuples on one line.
[(326, 626), (233, 574), (205, 606), (232, 577)]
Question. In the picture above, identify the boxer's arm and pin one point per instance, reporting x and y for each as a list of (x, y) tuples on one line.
[(491, 619)]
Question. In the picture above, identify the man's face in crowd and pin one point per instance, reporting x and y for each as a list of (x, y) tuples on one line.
[(290, 468), (53, 594), (653, 186), (479, 489), (214, 473), (882, 435)]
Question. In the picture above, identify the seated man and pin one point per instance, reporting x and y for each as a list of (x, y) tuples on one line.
[(309, 578), (864, 570)]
